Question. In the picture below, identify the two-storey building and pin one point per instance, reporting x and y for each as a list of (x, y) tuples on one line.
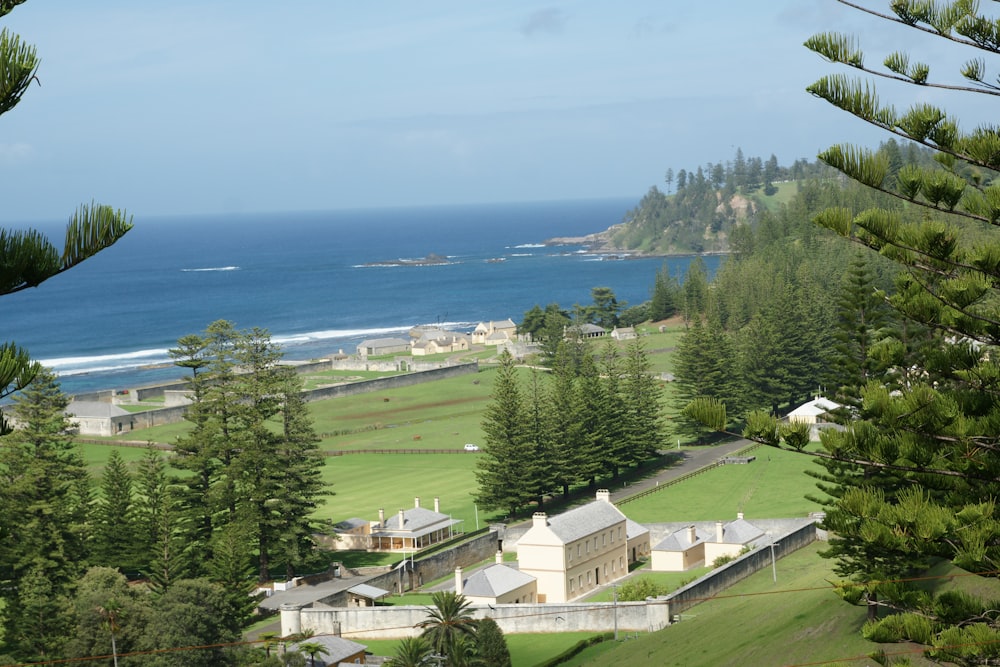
[(573, 553)]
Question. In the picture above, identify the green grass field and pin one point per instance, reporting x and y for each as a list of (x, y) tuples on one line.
[(759, 623), (362, 483), (772, 486), (525, 650)]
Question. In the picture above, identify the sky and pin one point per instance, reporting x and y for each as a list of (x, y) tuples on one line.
[(229, 106)]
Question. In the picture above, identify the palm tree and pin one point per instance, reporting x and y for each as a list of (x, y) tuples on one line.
[(449, 624), (411, 652), (111, 613), (312, 649)]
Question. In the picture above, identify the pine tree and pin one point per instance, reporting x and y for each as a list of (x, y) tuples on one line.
[(160, 541), (935, 427), (644, 429), (862, 315), (114, 517), (27, 257), (252, 451), (663, 301), (541, 435), (45, 493), (491, 645), (503, 468), (614, 443), (571, 451), (299, 488)]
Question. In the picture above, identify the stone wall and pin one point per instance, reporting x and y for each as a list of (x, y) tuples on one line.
[(359, 623), (394, 382), (175, 414)]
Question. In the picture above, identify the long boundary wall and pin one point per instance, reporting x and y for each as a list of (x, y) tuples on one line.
[(394, 382), (396, 622), (647, 616), (737, 570), (175, 414)]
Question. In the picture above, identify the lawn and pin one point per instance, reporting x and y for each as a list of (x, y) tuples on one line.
[(363, 483), (525, 650), (756, 623), (95, 457), (774, 485)]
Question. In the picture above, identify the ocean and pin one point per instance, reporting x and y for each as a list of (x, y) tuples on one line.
[(319, 282)]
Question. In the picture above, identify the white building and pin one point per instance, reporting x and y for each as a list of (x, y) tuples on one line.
[(573, 553)]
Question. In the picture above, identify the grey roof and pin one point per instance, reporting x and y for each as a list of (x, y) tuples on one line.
[(416, 521), (94, 409), (349, 524), (582, 521), (366, 591), (679, 540), (633, 529), (337, 648), (494, 581), (740, 531)]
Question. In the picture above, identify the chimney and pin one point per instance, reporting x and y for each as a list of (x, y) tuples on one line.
[(381, 517), (416, 502), (401, 518), (692, 535), (437, 504), (739, 515), (458, 580), (718, 532), (604, 494), (539, 519), (499, 558)]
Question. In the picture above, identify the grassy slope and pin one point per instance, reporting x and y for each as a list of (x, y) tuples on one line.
[(757, 622), (774, 485), (525, 650)]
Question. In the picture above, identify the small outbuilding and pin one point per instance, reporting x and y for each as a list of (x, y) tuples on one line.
[(681, 550), (497, 584), (364, 595), (374, 347), (337, 651)]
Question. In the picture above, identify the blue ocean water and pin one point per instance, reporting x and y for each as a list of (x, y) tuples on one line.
[(306, 278)]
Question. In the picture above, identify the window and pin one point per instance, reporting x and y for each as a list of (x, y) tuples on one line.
[(621, 562), (579, 580), (578, 551), (588, 546), (572, 585), (605, 570), (569, 554), (588, 578), (612, 567), (604, 539)]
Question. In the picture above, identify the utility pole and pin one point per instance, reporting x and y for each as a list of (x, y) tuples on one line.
[(614, 593)]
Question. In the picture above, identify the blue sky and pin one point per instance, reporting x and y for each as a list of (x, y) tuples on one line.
[(223, 106)]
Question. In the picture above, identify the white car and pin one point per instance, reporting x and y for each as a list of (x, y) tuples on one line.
[(469, 447)]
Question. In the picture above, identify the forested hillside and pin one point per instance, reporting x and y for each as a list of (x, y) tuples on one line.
[(795, 311), (712, 208)]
